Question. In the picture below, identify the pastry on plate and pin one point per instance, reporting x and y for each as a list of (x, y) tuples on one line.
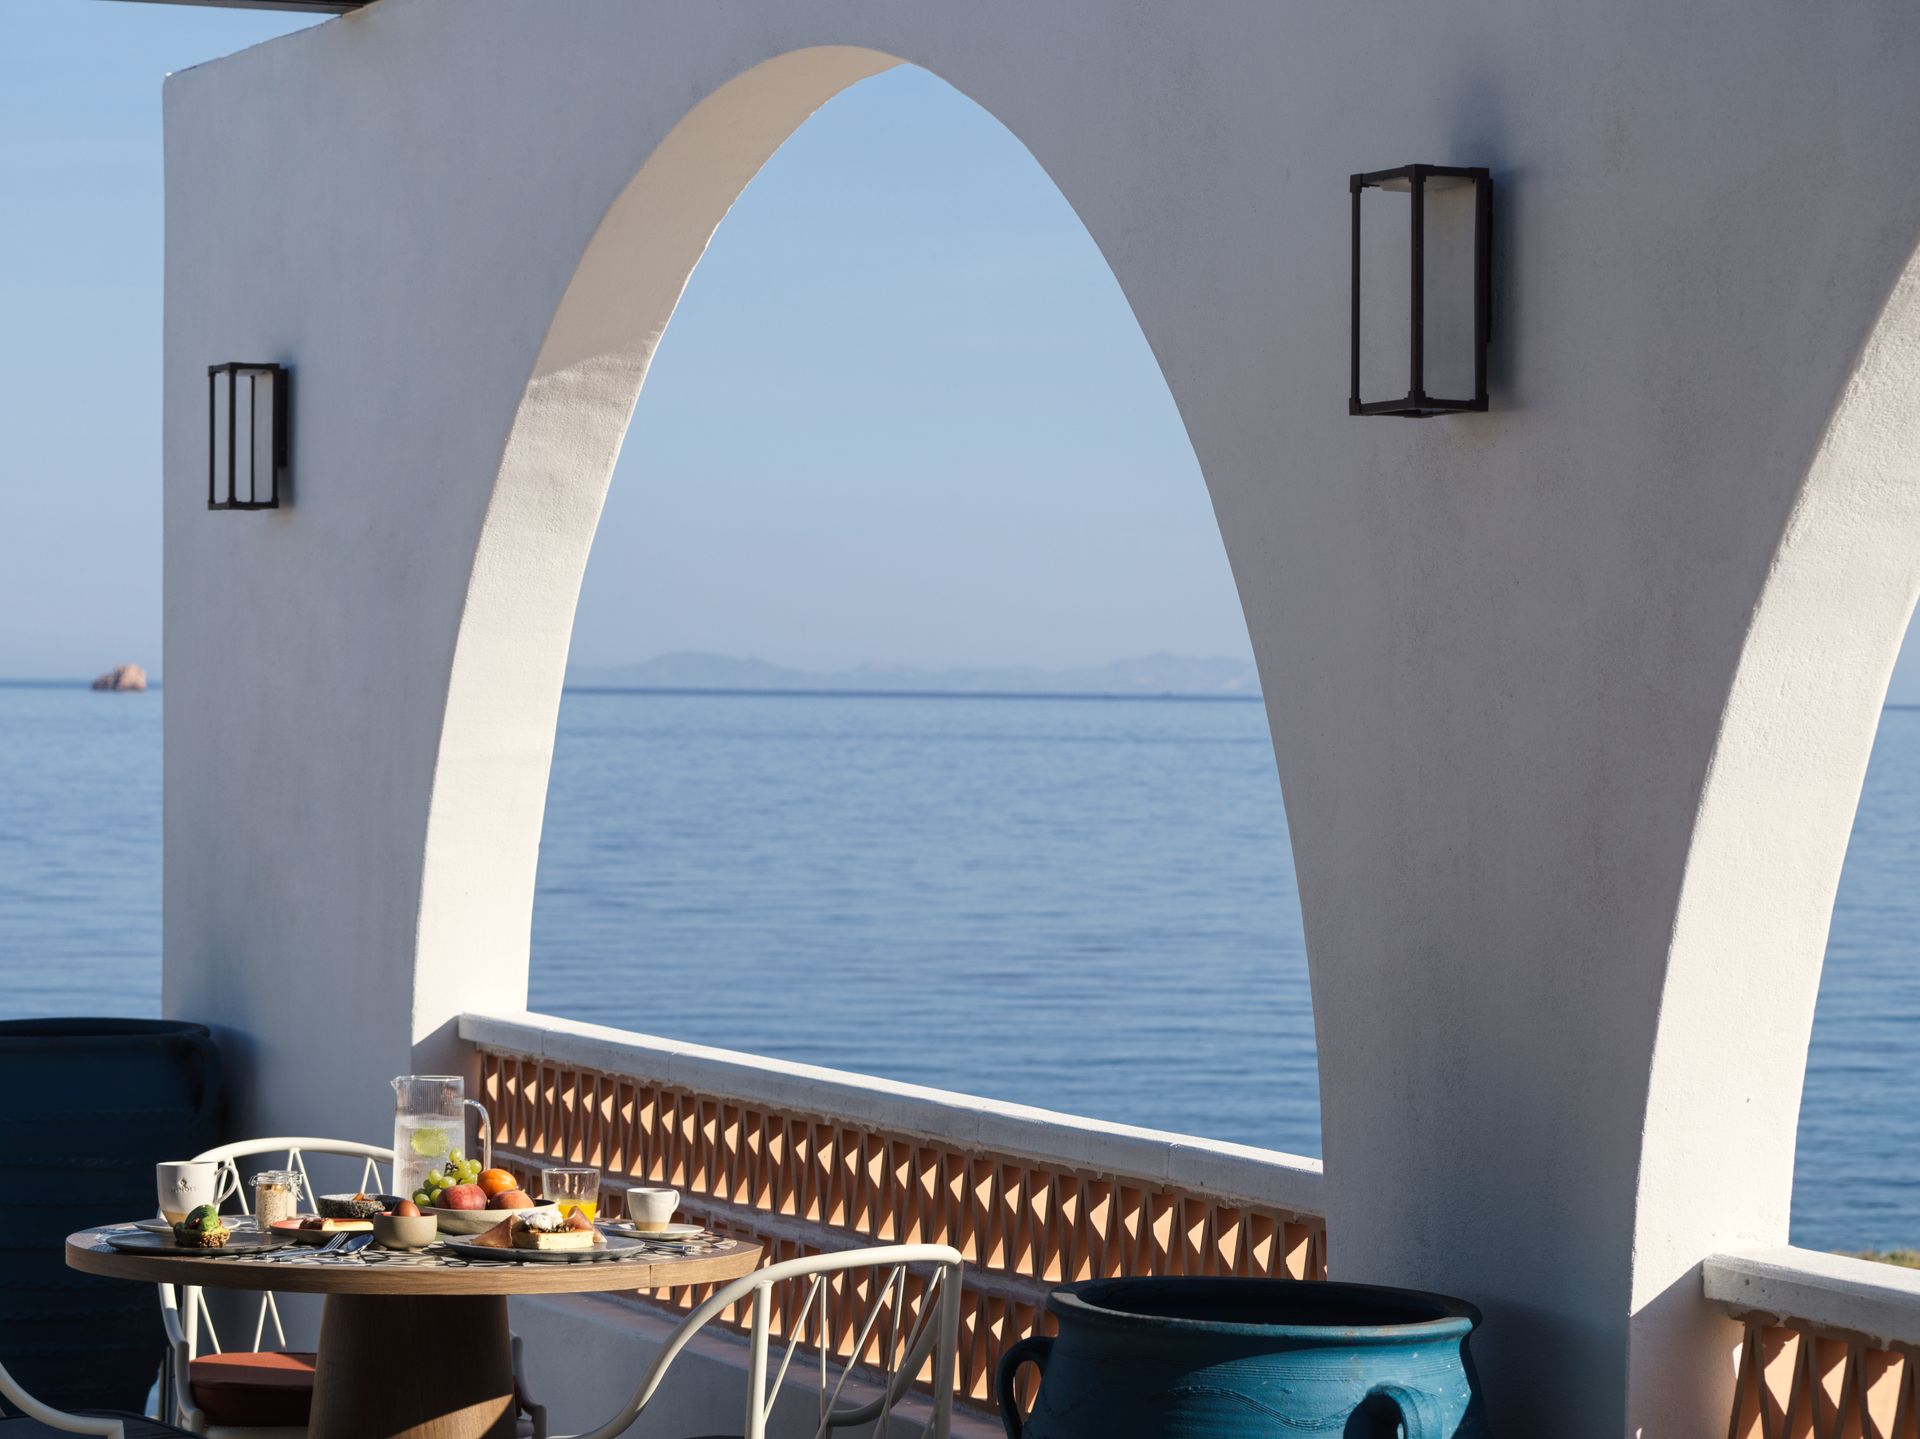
[(550, 1231), (203, 1228), (543, 1229)]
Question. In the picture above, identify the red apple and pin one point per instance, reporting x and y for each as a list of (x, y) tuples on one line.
[(463, 1196)]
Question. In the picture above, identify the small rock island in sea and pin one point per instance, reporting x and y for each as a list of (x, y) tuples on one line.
[(122, 677)]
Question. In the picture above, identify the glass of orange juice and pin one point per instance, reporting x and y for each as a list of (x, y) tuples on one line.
[(572, 1189)]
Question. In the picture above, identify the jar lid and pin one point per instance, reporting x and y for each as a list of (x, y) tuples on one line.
[(276, 1176)]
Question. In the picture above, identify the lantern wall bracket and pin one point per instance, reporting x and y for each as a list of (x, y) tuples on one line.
[(1417, 403), (252, 426)]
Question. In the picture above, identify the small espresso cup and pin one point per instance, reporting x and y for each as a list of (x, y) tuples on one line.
[(649, 1208), (183, 1185)]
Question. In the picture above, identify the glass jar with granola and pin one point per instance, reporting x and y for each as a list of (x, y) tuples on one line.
[(276, 1196)]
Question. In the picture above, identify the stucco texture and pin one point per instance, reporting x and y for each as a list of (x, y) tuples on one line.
[(1570, 700)]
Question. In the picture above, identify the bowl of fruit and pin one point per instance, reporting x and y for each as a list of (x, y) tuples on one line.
[(467, 1199)]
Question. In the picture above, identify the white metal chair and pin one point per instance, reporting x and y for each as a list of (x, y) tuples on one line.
[(187, 1318), (43, 1421), (901, 1343)]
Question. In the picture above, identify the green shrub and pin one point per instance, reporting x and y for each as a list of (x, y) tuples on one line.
[(1905, 1258)]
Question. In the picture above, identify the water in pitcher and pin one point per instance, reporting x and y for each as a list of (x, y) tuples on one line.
[(429, 1123)]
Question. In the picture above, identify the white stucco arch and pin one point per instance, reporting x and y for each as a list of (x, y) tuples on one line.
[(1775, 815), (503, 697), (495, 753), (1529, 717)]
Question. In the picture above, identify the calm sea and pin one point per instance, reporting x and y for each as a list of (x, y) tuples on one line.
[(1012, 897)]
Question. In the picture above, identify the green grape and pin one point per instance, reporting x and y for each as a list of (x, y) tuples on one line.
[(457, 1159), (436, 1180)]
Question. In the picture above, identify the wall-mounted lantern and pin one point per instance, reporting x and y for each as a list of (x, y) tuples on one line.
[(1421, 335), (246, 436)]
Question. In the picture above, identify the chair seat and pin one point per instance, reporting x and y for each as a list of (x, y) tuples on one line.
[(269, 1390), (137, 1428)]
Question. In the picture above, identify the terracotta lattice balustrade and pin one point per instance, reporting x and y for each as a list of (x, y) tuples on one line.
[(1829, 1345), (1796, 1383), (807, 1161)]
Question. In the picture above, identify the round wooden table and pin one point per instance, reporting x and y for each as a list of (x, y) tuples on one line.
[(412, 1350)]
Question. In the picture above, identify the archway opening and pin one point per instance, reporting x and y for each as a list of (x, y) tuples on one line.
[(1856, 1183), (868, 757)]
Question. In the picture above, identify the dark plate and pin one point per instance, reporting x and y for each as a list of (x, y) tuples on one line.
[(240, 1241), (345, 1206), (615, 1248)]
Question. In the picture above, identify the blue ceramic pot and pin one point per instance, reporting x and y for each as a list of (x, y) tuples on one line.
[(1248, 1359)]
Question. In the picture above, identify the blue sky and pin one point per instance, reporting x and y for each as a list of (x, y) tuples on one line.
[(903, 413), (80, 323)]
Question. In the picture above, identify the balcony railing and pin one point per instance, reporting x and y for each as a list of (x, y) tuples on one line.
[(1831, 1345), (810, 1160)]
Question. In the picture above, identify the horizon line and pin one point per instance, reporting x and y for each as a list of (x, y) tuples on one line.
[(756, 691), (14, 682)]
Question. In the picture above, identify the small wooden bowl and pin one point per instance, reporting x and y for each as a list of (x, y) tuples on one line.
[(405, 1231)]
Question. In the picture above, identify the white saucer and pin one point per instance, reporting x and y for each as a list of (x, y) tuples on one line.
[(670, 1234)]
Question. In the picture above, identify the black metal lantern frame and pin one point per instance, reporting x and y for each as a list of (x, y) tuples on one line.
[(253, 427), (1417, 403)]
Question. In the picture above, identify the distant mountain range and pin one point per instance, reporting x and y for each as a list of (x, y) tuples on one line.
[(1148, 675)]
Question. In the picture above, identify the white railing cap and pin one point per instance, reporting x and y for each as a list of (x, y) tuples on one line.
[(1822, 1291), (1236, 1172)]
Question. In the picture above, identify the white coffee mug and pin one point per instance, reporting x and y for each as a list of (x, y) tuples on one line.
[(183, 1185), (649, 1208)]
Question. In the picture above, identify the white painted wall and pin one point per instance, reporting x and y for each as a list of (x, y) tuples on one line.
[(1570, 700), (1832, 1292)]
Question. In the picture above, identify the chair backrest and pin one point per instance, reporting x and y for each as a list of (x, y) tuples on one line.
[(877, 1292), (294, 1152), (57, 1418), (186, 1319)]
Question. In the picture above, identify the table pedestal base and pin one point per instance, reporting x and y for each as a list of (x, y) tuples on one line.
[(413, 1367)]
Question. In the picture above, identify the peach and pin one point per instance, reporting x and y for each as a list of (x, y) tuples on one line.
[(497, 1181)]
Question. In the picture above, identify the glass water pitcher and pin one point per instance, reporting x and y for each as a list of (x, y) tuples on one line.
[(429, 1123)]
